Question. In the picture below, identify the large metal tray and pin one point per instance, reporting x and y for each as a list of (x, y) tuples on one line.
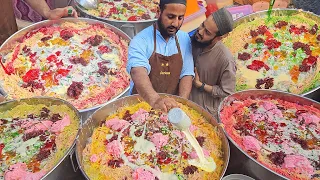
[(101, 114), (314, 93), (58, 171), (240, 161), (129, 27), (6, 46)]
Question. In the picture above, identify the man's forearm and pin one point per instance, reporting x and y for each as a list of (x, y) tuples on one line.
[(215, 91), (39, 6), (185, 86), (143, 85)]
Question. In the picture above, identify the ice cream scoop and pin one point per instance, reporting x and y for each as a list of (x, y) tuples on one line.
[(179, 118)]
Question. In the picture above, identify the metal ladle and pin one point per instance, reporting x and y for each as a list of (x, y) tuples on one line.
[(89, 4), (182, 121)]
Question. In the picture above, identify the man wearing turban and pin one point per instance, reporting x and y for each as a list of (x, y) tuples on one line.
[(215, 67), (160, 58)]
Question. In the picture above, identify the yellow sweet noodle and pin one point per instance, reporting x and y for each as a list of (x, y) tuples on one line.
[(63, 139), (293, 66), (98, 161)]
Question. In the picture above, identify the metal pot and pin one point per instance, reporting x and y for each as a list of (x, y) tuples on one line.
[(131, 28), (101, 114), (6, 46), (315, 92), (59, 171), (240, 161)]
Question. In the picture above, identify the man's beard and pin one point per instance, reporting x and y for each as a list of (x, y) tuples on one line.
[(164, 31), (200, 44)]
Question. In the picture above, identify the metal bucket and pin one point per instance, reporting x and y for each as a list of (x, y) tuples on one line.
[(101, 114), (131, 28), (315, 92), (6, 46), (240, 161), (59, 171)]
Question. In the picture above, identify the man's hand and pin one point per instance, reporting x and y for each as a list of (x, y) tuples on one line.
[(196, 81), (144, 87), (164, 104), (61, 12)]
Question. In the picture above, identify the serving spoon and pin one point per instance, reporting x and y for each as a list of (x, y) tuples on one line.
[(89, 4)]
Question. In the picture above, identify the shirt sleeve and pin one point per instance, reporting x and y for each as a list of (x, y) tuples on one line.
[(137, 54), (228, 81), (188, 66)]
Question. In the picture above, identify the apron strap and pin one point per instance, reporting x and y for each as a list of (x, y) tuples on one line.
[(178, 45), (154, 38)]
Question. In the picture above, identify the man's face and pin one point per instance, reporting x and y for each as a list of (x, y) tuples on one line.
[(171, 19), (206, 32)]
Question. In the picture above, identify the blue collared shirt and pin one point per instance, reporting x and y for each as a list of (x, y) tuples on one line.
[(142, 45)]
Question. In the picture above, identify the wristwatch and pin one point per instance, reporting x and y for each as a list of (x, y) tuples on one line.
[(201, 89)]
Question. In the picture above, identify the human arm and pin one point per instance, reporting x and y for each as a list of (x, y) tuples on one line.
[(185, 86), (142, 83), (227, 83), (138, 67), (187, 73), (44, 10), (144, 87)]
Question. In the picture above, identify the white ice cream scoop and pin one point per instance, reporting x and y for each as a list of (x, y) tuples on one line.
[(179, 118)]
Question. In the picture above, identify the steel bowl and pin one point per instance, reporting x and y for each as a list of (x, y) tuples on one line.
[(101, 114), (6, 46), (131, 28), (63, 167), (315, 92), (240, 161)]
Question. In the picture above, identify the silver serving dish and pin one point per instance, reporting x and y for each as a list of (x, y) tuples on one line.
[(240, 161), (315, 92), (101, 114), (6, 46), (129, 27), (59, 171)]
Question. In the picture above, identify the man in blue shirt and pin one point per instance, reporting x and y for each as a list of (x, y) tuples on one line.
[(160, 58)]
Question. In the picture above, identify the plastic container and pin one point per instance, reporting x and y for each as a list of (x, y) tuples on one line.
[(239, 11), (237, 177), (224, 3), (210, 9), (263, 5), (195, 15), (251, 2), (193, 21), (192, 7), (179, 118)]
